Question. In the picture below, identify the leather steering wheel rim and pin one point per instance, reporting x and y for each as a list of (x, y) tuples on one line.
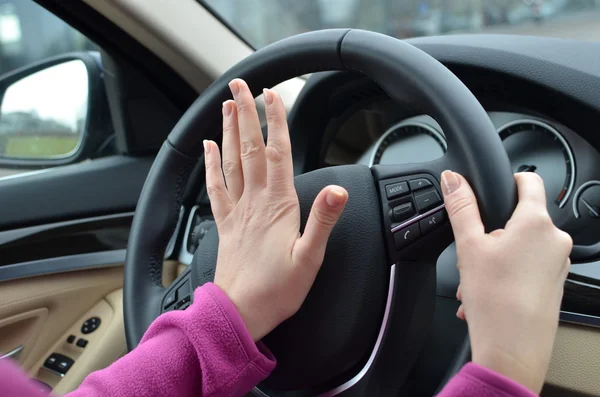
[(403, 71)]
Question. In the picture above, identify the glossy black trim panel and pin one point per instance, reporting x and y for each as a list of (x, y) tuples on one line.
[(581, 298), (100, 187), (68, 238), (61, 265), (16, 234), (581, 319)]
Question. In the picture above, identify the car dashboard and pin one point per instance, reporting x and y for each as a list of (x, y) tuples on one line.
[(374, 134), (541, 96), (545, 109)]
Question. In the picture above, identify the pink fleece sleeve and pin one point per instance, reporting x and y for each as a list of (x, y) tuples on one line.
[(205, 350), (474, 380)]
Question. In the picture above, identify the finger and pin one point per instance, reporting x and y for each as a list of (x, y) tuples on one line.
[(458, 293), (232, 164), (497, 232), (280, 170), (252, 145), (325, 212), (215, 184), (461, 205), (532, 194), (460, 313)]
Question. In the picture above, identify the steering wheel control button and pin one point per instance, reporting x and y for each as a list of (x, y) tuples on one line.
[(432, 222), (82, 343), (170, 298), (402, 212), (427, 200), (418, 184), (184, 303), (90, 325), (396, 190), (404, 237), (71, 339)]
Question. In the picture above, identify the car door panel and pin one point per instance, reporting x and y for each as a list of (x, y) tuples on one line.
[(35, 312), (100, 187), (104, 345), (18, 333), (39, 313), (64, 246)]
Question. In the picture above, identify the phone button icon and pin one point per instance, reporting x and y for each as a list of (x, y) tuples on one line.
[(405, 236)]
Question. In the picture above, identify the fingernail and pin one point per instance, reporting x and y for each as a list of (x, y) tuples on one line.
[(206, 146), (234, 86), (335, 197), (226, 108), (268, 96), (450, 182)]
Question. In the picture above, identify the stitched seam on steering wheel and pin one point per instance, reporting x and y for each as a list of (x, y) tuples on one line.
[(157, 257)]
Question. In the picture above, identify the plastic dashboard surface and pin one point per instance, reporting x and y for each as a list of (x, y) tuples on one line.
[(568, 164), (555, 82)]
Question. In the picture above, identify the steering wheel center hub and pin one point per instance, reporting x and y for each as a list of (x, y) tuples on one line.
[(334, 333)]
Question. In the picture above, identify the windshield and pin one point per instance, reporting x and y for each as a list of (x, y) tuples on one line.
[(261, 22)]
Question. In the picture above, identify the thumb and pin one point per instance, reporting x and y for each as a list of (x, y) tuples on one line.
[(324, 214), (461, 205)]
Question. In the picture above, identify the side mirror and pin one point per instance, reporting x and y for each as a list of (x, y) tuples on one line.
[(53, 113)]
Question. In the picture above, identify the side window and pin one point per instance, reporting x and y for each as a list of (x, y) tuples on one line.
[(53, 107)]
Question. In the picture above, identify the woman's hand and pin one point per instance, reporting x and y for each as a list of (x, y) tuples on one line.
[(264, 265), (511, 280)]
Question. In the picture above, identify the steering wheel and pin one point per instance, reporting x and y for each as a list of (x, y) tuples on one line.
[(363, 323)]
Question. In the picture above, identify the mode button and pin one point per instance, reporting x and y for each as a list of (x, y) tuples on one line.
[(396, 190)]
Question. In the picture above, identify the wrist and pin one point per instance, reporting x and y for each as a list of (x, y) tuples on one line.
[(252, 328), (511, 366)]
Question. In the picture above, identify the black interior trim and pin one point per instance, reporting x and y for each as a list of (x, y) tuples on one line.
[(139, 64), (111, 38), (62, 265), (82, 236), (105, 186)]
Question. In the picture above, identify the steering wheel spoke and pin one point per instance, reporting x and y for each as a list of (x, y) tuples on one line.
[(415, 221), (179, 295)]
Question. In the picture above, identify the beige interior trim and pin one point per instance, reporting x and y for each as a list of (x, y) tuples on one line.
[(575, 364), (186, 36), (105, 345), (21, 330), (170, 272), (58, 301), (40, 313)]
